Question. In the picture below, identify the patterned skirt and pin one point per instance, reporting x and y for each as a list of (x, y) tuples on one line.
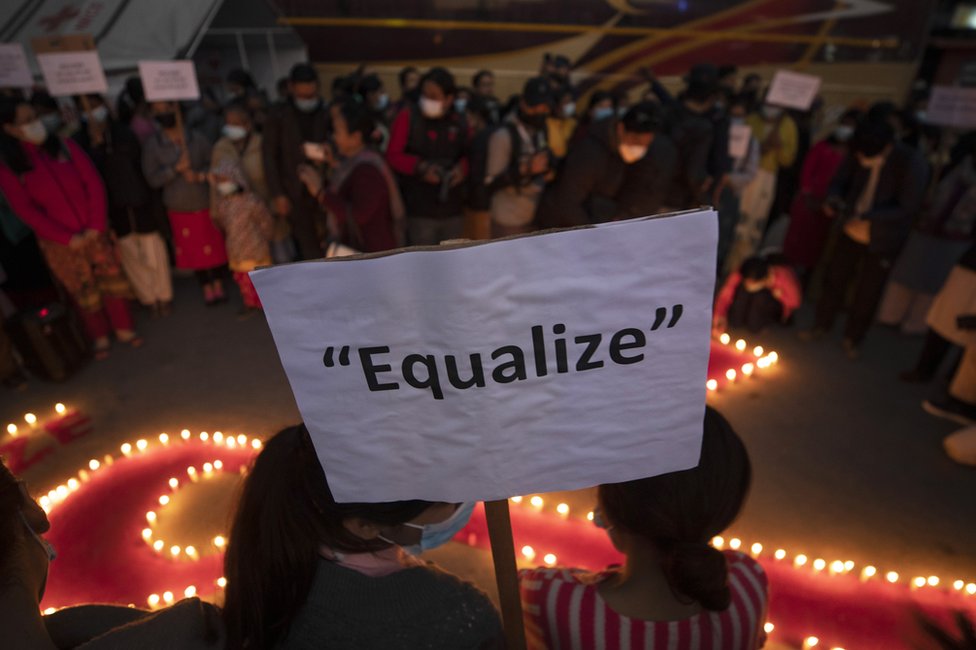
[(88, 272)]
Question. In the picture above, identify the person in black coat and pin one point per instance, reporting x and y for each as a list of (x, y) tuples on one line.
[(877, 191), (135, 211), (588, 188)]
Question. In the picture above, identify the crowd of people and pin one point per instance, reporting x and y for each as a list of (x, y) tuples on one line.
[(306, 572)]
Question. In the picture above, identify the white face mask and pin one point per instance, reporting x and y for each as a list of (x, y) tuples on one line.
[(631, 153), (843, 132), (382, 102), (307, 105), (431, 108), (771, 112), (234, 132), (99, 114), (569, 110), (226, 188), (34, 132)]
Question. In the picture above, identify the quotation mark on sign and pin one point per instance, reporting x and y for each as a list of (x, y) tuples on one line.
[(662, 313), (343, 356)]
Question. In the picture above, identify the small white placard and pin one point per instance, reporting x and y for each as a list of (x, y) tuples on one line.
[(740, 135), (793, 90), (72, 73), (14, 69), (166, 81), (952, 106)]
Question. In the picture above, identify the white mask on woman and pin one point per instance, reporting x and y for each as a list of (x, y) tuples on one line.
[(234, 132), (34, 132), (431, 108)]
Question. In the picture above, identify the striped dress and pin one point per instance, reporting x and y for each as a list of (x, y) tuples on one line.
[(564, 611)]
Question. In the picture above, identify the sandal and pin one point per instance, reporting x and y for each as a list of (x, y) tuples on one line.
[(131, 339), (102, 349)]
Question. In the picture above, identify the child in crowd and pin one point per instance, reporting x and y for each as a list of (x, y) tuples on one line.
[(675, 590), (247, 225), (762, 292)]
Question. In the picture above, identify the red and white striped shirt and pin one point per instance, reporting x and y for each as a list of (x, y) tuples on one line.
[(564, 611)]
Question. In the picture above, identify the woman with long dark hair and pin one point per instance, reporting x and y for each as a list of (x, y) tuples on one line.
[(306, 572), (675, 590), (55, 189)]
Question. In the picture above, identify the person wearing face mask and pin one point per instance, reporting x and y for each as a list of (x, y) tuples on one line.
[(809, 226), (374, 97), (876, 194), (304, 571), (288, 128), (362, 197), (428, 151), (135, 210), (674, 589), (247, 226), (177, 160), (562, 122), (49, 113), (778, 141), (588, 187), (240, 84), (26, 558), (763, 292), (483, 85), (54, 188), (519, 161)]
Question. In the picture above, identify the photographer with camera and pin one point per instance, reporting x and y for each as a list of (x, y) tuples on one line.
[(428, 151)]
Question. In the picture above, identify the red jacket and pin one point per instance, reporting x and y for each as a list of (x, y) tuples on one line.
[(56, 198), (785, 287)]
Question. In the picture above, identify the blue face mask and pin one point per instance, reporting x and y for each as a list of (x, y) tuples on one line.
[(460, 105), (435, 535), (602, 113)]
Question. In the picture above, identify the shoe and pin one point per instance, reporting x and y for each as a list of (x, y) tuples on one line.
[(208, 296), (101, 348), (218, 290), (851, 349), (814, 334), (165, 308), (952, 409), (130, 338)]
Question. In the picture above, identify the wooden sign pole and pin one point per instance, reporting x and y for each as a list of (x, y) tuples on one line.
[(506, 572)]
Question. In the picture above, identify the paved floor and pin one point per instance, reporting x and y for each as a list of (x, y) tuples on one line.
[(847, 465)]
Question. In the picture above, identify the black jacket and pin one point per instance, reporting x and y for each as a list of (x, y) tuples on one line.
[(282, 146), (133, 206), (693, 135), (897, 200), (592, 175)]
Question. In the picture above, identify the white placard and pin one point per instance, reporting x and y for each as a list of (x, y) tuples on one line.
[(548, 362), (14, 69), (740, 136), (72, 73), (793, 90), (166, 81), (952, 106)]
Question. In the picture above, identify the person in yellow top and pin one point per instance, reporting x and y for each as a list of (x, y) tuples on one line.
[(562, 123), (777, 135)]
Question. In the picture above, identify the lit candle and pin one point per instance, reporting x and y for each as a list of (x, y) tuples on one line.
[(758, 351), (30, 419), (933, 581), (773, 357), (12, 429), (175, 550), (174, 483), (221, 582), (725, 338), (241, 439), (528, 553), (892, 577), (207, 468), (819, 564), (204, 436), (190, 591), (549, 559), (780, 554), (218, 437), (158, 545), (589, 516), (756, 549), (867, 573), (971, 588), (93, 464), (918, 582), (191, 551), (168, 597), (849, 566), (60, 408), (735, 543), (164, 438), (146, 533), (256, 444), (153, 600), (185, 434), (800, 560), (126, 448), (150, 516), (563, 509), (810, 642), (141, 445), (73, 484), (711, 384), (718, 542), (730, 374), (219, 541), (958, 585), (769, 627), (537, 502), (740, 345), (218, 464), (748, 369), (164, 500)]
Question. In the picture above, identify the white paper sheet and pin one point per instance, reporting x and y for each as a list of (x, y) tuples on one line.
[(72, 73), (14, 69), (640, 292), (793, 90), (166, 81)]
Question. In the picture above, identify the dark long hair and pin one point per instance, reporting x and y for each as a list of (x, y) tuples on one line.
[(680, 512), (285, 514), (12, 152)]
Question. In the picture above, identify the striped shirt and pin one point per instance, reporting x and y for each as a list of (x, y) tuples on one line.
[(564, 611)]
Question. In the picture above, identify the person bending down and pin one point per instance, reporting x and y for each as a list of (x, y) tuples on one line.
[(674, 590), (759, 294)]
